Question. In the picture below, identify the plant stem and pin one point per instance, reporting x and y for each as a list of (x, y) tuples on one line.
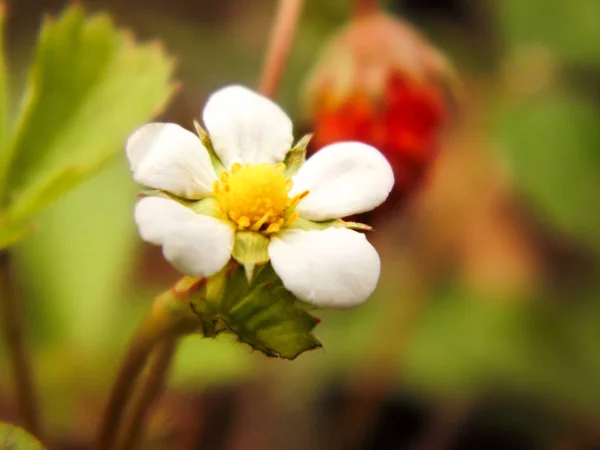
[(280, 43), (13, 328), (150, 389), (170, 317), (364, 7)]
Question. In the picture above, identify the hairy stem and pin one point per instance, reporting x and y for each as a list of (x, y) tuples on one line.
[(13, 334), (169, 318), (280, 43), (150, 389)]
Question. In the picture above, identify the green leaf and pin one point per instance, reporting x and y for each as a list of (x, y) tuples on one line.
[(262, 314), (89, 86), (80, 259), (468, 345), (14, 438), (552, 143)]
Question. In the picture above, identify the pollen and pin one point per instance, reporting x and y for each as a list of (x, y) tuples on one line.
[(256, 197)]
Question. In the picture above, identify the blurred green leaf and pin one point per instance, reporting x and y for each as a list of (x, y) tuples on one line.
[(90, 85), (14, 438), (201, 361), (80, 257), (569, 30), (552, 142), (471, 345)]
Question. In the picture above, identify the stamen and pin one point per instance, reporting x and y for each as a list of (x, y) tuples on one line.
[(273, 228), (297, 199), (259, 223), (293, 217), (243, 222), (256, 197)]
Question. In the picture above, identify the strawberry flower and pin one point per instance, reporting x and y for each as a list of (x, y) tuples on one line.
[(241, 191)]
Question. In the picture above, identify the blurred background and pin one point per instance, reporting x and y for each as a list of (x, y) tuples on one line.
[(485, 330)]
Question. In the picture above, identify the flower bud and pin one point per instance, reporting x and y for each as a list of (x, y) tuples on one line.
[(381, 83)]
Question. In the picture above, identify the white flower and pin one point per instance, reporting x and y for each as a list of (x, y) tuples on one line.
[(330, 266)]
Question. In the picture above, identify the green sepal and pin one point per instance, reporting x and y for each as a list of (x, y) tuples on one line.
[(205, 139), (261, 313), (15, 438), (207, 207), (250, 249), (353, 225), (304, 224), (296, 156)]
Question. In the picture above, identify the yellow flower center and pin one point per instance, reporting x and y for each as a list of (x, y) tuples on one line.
[(255, 197)]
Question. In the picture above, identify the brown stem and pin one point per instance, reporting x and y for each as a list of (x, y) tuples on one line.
[(13, 327), (170, 317), (280, 43), (364, 7), (149, 391)]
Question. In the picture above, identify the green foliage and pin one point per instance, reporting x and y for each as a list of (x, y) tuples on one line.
[(14, 438), (80, 258), (467, 344), (262, 313), (89, 86), (552, 143), (569, 30)]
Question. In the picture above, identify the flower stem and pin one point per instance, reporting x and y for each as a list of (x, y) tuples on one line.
[(150, 389), (280, 42), (170, 317), (365, 7), (13, 330)]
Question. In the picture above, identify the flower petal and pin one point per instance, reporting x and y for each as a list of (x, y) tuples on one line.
[(335, 268), (168, 157), (343, 179), (194, 244), (246, 127)]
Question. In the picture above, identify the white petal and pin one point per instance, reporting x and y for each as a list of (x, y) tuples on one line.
[(168, 157), (196, 245), (335, 268), (246, 127), (156, 217), (343, 179)]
